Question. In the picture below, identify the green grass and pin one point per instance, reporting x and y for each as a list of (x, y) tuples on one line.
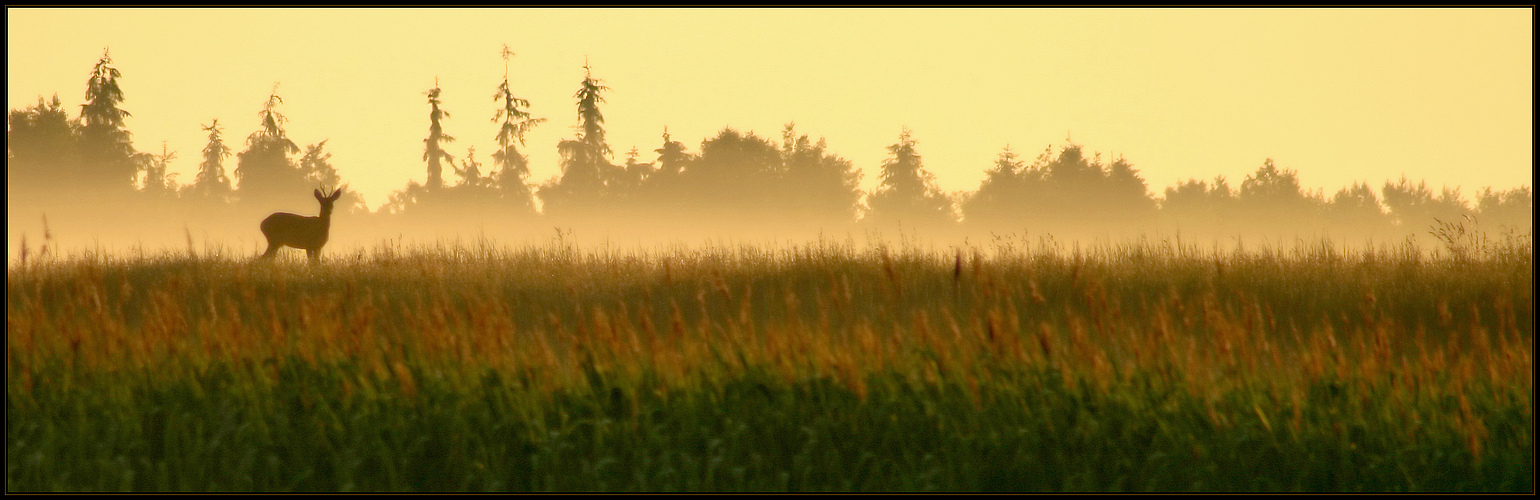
[(815, 368)]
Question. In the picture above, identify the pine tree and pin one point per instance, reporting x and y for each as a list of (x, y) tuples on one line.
[(1124, 198), (663, 187), (591, 120), (1000, 194), (263, 171), (157, 182), (907, 193), (470, 170), (629, 183), (316, 166), (586, 173), (211, 182), (512, 166), (671, 157), (107, 154), (434, 152)]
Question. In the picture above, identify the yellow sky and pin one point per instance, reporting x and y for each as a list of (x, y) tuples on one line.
[(1339, 95)]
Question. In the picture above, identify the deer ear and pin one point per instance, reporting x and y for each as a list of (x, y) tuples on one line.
[(336, 194), (317, 194)]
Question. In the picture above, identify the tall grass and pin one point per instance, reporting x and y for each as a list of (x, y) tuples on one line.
[(1140, 367)]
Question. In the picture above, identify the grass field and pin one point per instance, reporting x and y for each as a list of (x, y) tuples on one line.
[(1146, 367)]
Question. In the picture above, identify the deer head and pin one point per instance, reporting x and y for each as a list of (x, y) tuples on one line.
[(327, 201)]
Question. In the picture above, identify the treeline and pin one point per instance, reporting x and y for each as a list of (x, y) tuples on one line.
[(734, 181)]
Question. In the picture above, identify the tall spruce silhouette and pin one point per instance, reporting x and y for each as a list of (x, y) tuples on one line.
[(264, 173), (107, 155), (511, 177), (211, 183), (583, 185), (433, 150)]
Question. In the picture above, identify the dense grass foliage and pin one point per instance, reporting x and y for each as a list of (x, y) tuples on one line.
[(755, 368)]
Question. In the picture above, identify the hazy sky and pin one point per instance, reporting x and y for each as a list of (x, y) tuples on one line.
[(1339, 95)]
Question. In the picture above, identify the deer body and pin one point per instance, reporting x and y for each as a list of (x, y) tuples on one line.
[(299, 231)]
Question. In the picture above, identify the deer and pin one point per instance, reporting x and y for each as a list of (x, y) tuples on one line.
[(299, 231)]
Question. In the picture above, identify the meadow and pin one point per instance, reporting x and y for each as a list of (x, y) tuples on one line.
[(1136, 367)]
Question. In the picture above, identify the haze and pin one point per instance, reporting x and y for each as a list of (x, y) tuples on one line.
[(1339, 96)]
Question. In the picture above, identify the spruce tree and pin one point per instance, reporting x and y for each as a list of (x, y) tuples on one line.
[(107, 154), (907, 193), (263, 171), (211, 182), (512, 166), (157, 183), (434, 152), (586, 173)]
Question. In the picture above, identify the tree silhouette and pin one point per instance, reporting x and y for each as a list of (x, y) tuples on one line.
[(434, 152), (586, 173), (1414, 209), (475, 193), (318, 171), (410, 196), (211, 183), (1084, 195), (907, 193), (1125, 199), (41, 147), (734, 174), (470, 170), (628, 183), (589, 117), (817, 187), (664, 186), (1066, 193), (263, 171), (157, 183), (1195, 206), (1355, 212), (1072, 172), (107, 154), (672, 157), (1000, 198), (513, 167), (1513, 209), (1271, 201)]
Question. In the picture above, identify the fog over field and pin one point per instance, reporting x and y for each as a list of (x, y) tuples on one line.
[(155, 130)]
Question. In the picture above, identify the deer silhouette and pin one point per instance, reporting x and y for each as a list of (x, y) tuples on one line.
[(298, 231)]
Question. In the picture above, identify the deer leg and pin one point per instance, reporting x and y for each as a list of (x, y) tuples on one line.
[(315, 255), (272, 249)]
